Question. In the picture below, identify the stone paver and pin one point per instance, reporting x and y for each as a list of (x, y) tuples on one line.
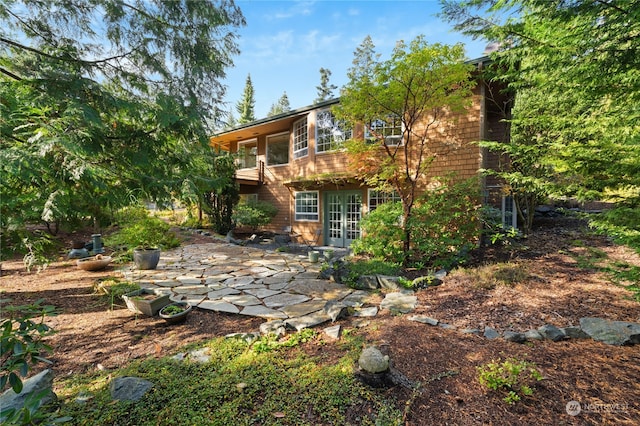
[(255, 282)]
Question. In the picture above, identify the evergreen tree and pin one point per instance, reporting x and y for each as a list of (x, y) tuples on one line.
[(281, 106), (246, 105), (102, 106), (573, 68), (325, 90)]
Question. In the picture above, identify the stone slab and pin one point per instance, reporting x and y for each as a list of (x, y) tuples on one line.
[(284, 299), (304, 308), (219, 306), (263, 312), (242, 300)]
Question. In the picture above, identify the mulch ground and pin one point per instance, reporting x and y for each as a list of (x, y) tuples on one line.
[(542, 284)]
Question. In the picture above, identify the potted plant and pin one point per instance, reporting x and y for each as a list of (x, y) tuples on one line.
[(146, 301), (147, 236), (175, 313)]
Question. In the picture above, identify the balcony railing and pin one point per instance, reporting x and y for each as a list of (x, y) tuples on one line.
[(252, 176)]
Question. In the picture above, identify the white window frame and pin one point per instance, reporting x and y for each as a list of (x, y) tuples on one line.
[(314, 213), (337, 133), (381, 197), (241, 160), (288, 148), (300, 138), (393, 139)]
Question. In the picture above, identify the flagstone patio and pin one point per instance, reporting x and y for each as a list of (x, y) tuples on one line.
[(253, 281)]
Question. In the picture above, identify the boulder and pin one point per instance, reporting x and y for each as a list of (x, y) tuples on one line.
[(129, 388), (367, 282), (42, 381), (551, 332), (611, 332), (373, 361), (574, 332), (513, 336), (490, 333)]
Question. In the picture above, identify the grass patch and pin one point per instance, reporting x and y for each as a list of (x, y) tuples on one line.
[(507, 274), (239, 386)]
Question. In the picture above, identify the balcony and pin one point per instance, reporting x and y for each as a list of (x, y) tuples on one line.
[(251, 176)]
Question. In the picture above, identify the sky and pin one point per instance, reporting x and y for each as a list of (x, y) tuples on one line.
[(285, 43)]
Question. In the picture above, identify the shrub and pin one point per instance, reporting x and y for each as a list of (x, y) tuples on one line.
[(254, 214), (149, 232), (622, 223), (444, 226), (382, 233), (513, 376)]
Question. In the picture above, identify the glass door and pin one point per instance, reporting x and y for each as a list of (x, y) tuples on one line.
[(343, 211)]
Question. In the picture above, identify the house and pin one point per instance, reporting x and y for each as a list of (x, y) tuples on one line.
[(294, 161)]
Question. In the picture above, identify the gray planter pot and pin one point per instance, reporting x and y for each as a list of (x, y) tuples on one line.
[(178, 317), (146, 258), (146, 302)]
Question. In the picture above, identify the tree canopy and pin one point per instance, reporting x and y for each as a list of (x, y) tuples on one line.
[(281, 106), (400, 101), (325, 90), (574, 68), (246, 105), (104, 101)]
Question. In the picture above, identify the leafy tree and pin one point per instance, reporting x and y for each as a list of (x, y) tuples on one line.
[(220, 199), (103, 102), (574, 69), (401, 101), (281, 106), (325, 90), (246, 105)]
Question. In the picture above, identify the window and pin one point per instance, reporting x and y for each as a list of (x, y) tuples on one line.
[(330, 133), (390, 128), (248, 198), (278, 149), (307, 206), (248, 154), (377, 197), (300, 138)]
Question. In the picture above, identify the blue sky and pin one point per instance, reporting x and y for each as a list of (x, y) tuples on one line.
[(285, 43)]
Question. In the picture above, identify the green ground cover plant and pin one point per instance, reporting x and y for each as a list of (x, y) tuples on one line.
[(513, 376), (241, 385)]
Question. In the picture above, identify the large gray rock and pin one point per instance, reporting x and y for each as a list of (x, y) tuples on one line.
[(513, 336), (367, 282), (611, 332), (400, 302), (42, 381), (373, 361), (551, 332), (129, 388), (490, 333)]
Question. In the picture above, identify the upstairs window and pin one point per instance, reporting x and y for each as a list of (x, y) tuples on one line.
[(277, 149), (248, 154), (377, 197), (330, 133), (390, 128), (300, 138)]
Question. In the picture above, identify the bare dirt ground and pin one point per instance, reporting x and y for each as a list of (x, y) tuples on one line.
[(541, 283)]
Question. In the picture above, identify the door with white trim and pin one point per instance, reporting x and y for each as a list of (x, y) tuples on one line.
[(343, 211)]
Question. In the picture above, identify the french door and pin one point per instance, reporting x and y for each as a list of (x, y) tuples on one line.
[(343, 211)]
